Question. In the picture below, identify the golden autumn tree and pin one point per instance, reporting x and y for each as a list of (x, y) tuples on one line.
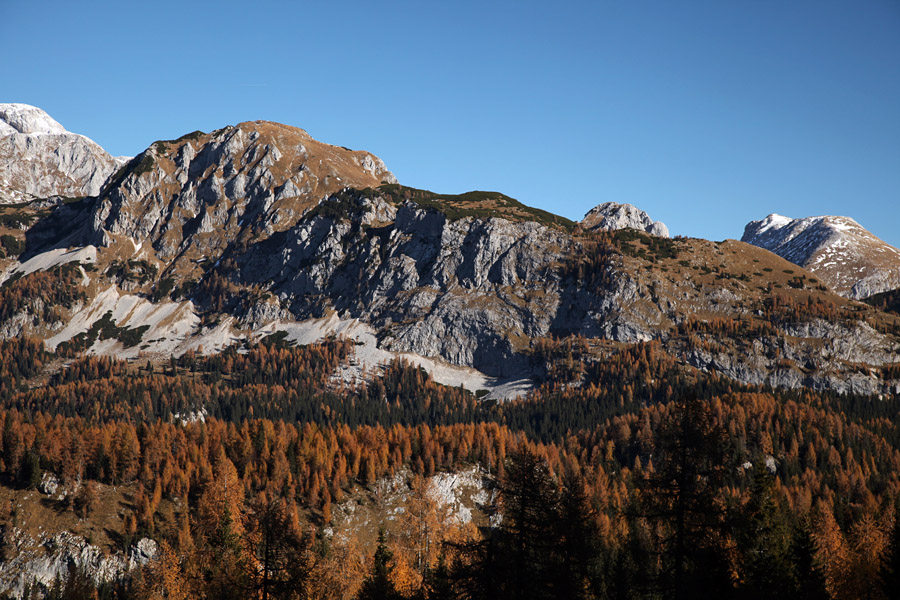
[(277, 560), (340, 568), (422, 528), (219, 556), (164, 578), (832, 553)]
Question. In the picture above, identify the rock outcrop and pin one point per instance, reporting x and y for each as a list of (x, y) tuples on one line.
[(610, 216), (464, 290), (41, 563), (849, 258), (40, 159)]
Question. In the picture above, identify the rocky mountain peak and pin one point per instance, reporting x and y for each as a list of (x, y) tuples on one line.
[(194, 197), (24, 118), (39, 158), (850, 259), (610, 216)]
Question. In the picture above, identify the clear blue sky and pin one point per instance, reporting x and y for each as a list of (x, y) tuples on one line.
[(704, 114)]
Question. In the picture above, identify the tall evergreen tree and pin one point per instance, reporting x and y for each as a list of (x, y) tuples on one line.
[(682, 501), (440, 584), (528, 543), (579, 572), (809, 580), (378, 585), (764, 538), (521, 557), (281, 566)]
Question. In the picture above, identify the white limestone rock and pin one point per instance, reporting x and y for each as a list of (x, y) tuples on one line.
[(610, 216), (44, 561)]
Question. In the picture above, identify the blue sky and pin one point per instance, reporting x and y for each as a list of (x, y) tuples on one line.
[(704, 114)]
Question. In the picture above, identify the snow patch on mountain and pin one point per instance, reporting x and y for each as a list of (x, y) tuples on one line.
[(173, 328), (168, 324), (50, 259), (368, 357)]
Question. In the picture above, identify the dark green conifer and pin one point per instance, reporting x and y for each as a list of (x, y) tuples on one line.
[(378, 585)]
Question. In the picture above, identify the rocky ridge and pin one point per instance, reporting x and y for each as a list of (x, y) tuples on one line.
[(852, 261), (40, 159)]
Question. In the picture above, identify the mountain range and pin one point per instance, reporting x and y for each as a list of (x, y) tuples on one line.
[(255, 230), (39, 158)]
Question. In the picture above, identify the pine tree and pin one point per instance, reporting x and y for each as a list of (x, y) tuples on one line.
[(576, 530), (764, 539), (681, 498), (378, 585), (810, 583), (281, 567), (528, 547), (440, 584)]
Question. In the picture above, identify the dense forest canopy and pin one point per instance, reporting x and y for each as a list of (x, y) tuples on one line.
[(647, 479)]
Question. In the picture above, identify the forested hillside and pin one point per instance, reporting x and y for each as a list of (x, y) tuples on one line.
[(647, 479)]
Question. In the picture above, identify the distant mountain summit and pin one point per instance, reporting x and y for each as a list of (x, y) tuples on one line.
[(40, 159), (611, 216), (23, 118), (849, 258)]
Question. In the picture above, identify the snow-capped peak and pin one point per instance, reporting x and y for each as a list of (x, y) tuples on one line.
[(851, 260), (40, 159), (773, 221)]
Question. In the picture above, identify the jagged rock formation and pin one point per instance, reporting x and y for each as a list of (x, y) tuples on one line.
[(464, 290), (611, 216), (193, 197), (40, 159), (852, 261)]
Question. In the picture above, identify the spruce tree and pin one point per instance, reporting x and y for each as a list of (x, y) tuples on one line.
[(764, 538), (528, 546), (378, 585), (808, 577), (578, 573), (682, 500)]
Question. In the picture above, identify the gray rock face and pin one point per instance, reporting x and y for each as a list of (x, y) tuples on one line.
[(463, 290), (852, 261), (811, 355), (22, 118), (610, 216), (47, 560), (39, 158)]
